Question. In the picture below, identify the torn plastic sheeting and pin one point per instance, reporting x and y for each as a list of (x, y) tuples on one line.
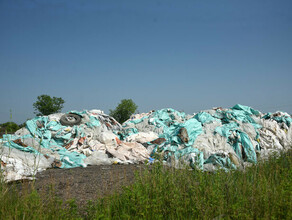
[(250, 130), (195, 139), (205, 117), (66, 133), (71, 159), (170, 120), (237, 120), (229, 115), (243, 138), (64, 136), (54, 126), (131, 131), (193, 156), (142, 137), (171, 128), (31, 160), (171, 148), (184, 151), (135, 121), (244, 148), (210, 143), (99, 158), (127, 132), (238, 115), (225, 129), (190, 155), (164, 117), (34, 129), (38, 128), (18, 165), (220, 160), (29, 149), (54, 140), (94, 122), (61, 136), (223, 115), (280, 119), (248, 148), (194, 128), (77, 112), (78, 131), (108, 122), (246, 109), (170, 133), (12, 141), (243, 117), (268, 115), (128, 151)]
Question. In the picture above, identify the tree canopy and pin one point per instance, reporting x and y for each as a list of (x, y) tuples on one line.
[(124, 110), (46, 105)]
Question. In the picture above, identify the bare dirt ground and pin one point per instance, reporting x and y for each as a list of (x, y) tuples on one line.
[(83, 184)]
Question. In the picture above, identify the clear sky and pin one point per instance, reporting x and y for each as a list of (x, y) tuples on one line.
[(187, 55)]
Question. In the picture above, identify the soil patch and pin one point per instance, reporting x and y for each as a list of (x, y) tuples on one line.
[(83, 184)]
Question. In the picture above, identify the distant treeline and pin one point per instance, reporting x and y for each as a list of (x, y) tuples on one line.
[(9, 128)]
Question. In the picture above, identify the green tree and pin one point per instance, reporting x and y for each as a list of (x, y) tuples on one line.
[(124, 110), (46, 105)]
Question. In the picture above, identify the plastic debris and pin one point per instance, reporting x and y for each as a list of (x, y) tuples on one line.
[(212, 139), (217, 138)]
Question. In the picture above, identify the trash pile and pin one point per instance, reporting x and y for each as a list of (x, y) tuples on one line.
[(227, 138), (211, 139), (74, 139)]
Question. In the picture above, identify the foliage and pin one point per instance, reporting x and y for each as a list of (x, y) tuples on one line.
[(32, 205), (263, 191), (8, 128), (124, 110), (46, 105)]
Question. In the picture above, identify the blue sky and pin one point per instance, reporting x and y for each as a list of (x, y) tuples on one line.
[(187, 55)]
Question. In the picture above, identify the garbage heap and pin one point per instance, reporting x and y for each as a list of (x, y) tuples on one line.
[(74, 139), (211, 139), (227, 138)]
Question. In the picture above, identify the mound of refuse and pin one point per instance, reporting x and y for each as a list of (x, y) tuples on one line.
[(211, 139)]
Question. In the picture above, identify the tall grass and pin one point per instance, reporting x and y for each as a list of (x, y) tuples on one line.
[(262, 191), (29, 204)]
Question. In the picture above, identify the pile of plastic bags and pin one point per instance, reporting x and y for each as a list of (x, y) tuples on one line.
[(217, 138)]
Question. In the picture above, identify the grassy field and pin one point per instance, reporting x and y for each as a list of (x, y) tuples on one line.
[(262, 191)]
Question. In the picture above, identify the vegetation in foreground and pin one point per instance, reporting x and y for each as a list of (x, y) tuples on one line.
[(261, 192)]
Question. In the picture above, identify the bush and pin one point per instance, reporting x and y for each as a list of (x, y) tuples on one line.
[(124, 110), (8, 127)]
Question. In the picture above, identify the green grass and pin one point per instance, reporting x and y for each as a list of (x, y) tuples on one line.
[(262, 191)]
